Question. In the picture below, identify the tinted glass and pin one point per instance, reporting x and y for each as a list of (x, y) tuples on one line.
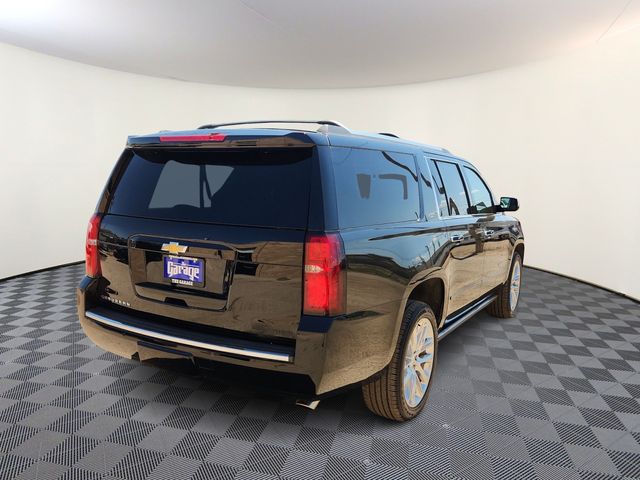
[(251, 187), (440, 193), (478, 191), (374, 187), (429, 191), (454, 187)]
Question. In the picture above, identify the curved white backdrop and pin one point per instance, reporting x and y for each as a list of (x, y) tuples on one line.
[(562, 135)]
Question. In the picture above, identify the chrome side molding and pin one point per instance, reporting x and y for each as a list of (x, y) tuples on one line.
[(244, 352)]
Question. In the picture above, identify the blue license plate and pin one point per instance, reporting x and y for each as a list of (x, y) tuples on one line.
[(184, 270)]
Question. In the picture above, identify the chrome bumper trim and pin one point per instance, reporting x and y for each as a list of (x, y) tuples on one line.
[(245, 352)]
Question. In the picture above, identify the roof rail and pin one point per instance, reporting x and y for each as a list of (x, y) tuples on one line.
[(389, 134), (325, 125)]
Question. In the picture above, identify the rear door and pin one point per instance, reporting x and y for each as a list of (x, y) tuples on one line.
[(210, 237), (464, 265)]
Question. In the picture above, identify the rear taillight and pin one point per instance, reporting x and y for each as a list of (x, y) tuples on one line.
[(92, 258), (324, 275)]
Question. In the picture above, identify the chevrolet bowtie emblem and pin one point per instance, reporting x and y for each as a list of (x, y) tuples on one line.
[(174, 247)]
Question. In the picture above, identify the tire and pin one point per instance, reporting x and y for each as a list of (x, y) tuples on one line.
[(385, 396), (502, 307)]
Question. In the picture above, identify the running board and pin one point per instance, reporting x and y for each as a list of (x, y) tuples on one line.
[(455, 323)]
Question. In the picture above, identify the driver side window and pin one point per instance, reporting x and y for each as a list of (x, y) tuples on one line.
[(478, 191)]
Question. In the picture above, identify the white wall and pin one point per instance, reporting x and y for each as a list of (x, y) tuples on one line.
[(562, 135)]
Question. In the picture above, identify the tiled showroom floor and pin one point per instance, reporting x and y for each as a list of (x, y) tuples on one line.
[(550, 394)]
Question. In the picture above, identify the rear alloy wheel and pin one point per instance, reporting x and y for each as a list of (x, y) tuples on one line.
[(401, 390), (418, 362), (509, 292)]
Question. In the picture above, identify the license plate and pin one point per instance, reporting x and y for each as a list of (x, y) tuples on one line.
[(184, 270)]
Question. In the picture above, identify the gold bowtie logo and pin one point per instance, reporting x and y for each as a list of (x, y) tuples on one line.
[(174, 247)]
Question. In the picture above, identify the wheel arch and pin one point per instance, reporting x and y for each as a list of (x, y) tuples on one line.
[(519, 248), (431, 291)]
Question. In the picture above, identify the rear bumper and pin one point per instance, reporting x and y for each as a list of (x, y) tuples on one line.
[(321, 361)]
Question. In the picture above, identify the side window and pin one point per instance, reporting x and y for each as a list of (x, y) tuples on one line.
[(375, 187), (440, 193), (428, 190), (478, 191), (454, 187)]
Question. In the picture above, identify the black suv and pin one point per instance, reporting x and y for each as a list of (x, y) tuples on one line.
[(306, 260)]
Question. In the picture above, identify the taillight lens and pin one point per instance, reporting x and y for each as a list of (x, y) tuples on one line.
[(92, 258), (324, 275)]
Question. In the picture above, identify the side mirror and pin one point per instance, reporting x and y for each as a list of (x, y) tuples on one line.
[(508, 204)]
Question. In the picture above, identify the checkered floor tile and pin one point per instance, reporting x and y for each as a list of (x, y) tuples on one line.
[(550, 394)]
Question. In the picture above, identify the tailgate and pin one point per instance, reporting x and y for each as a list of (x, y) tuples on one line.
[(214, 238), (252, 278)]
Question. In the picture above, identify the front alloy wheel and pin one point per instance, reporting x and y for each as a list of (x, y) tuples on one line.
[(508, 294), (514, 289)]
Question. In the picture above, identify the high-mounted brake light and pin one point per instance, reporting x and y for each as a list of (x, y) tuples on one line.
[(324, 275), (92, 257), (212, 137)]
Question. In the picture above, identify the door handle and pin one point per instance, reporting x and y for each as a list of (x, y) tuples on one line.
[(489, 233), (457, 237)]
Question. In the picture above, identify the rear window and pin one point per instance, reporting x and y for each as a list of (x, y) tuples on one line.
[(375, 187), (244, 187)]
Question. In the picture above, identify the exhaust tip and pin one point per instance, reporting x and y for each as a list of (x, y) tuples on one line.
[(310, 404)]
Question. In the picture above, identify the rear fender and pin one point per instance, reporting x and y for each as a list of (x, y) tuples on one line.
[(418, 280)]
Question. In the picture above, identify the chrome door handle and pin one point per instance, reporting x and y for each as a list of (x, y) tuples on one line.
[(489, 233), (457, 238)]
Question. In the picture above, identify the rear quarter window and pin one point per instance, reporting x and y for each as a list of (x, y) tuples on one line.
[(375, 187), (257, 187)]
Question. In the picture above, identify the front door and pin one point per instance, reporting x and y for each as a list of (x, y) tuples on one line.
[(495, 230)]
